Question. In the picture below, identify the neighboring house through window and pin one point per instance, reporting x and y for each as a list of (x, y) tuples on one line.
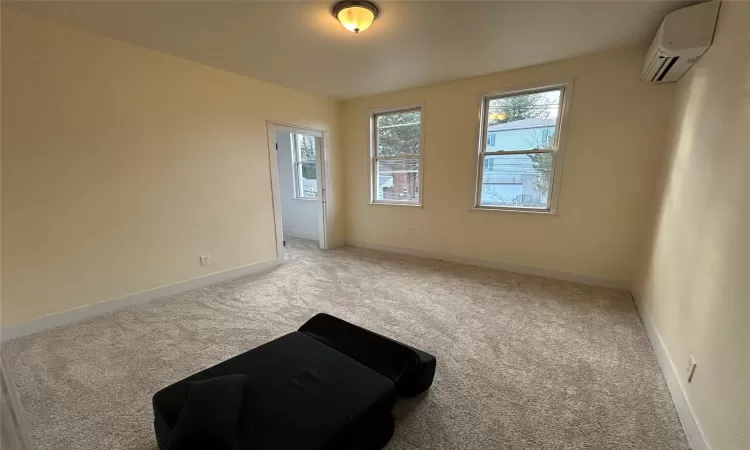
[(520, 151), (304, 157), (396, 156)]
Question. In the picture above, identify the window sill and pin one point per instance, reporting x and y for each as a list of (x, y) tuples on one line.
[(408, 205), (306, 199), (543, 212)]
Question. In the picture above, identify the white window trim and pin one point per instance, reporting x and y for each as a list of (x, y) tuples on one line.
[(297, 167), (372, 160), (558, 154)]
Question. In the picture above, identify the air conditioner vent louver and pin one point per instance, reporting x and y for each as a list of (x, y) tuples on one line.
[(666, 65)]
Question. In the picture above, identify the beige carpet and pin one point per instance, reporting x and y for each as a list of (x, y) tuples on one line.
[(523, 362)]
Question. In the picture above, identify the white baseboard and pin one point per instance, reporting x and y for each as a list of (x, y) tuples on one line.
[(621, 285), (302, 234), (8, 332), (671, 375)]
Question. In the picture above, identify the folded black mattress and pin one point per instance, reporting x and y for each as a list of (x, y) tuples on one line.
[(298, 394), (411, 369)]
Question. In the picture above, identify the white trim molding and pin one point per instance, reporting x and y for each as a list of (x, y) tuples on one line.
[(325, 236), (558, 152), (13, 331), (621, 285), (373, 157), (690, 424), (273, 164)]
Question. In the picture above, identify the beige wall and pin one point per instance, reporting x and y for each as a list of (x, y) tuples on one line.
[(121, 165), (614, 142), (695, 286)]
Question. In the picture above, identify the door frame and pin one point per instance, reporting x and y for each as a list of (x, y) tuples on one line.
[(324, 186)]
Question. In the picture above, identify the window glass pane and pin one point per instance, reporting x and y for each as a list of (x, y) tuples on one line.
[(305, 148), (516, 181), (523, 122), (398, 180), (308, 180), (398, 133)]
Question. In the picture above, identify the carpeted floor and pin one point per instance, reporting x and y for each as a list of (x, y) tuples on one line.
[(523, 362)]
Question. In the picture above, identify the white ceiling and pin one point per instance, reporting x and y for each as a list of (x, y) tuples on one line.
[(302, 46)]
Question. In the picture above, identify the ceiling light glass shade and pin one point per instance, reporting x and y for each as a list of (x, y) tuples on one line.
[(356, 19), (355, 16)]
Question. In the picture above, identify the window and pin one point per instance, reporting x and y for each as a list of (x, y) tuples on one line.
[(519, 149), (304, 156), (396, 157)]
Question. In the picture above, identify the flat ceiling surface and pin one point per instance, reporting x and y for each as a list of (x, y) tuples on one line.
[(302, 46)]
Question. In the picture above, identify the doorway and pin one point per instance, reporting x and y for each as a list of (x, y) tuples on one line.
[(298, 163)]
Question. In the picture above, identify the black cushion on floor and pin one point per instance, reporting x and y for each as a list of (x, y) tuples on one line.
[(299, 394), (411, 369), (209, 417)]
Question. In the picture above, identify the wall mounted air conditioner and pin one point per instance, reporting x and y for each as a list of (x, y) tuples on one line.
[(683, 37)]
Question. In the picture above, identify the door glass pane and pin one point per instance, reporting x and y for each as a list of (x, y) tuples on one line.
[(398, 180), (516, 181), (523, 121)]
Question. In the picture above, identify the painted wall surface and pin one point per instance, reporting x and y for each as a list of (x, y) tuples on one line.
[(299, 217), (121, 165), (695, 285), (614, 143)]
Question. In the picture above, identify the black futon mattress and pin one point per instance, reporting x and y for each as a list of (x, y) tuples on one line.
[(298, 394), (329, 386)]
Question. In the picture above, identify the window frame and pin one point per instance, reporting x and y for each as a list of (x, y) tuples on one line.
[(297, 167), (558, 153), (374, 158)]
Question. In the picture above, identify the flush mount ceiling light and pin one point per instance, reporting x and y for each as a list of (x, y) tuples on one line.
[(355, 15)]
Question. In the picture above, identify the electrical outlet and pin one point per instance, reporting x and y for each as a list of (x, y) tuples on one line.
[(691, 368), (205, 260)]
